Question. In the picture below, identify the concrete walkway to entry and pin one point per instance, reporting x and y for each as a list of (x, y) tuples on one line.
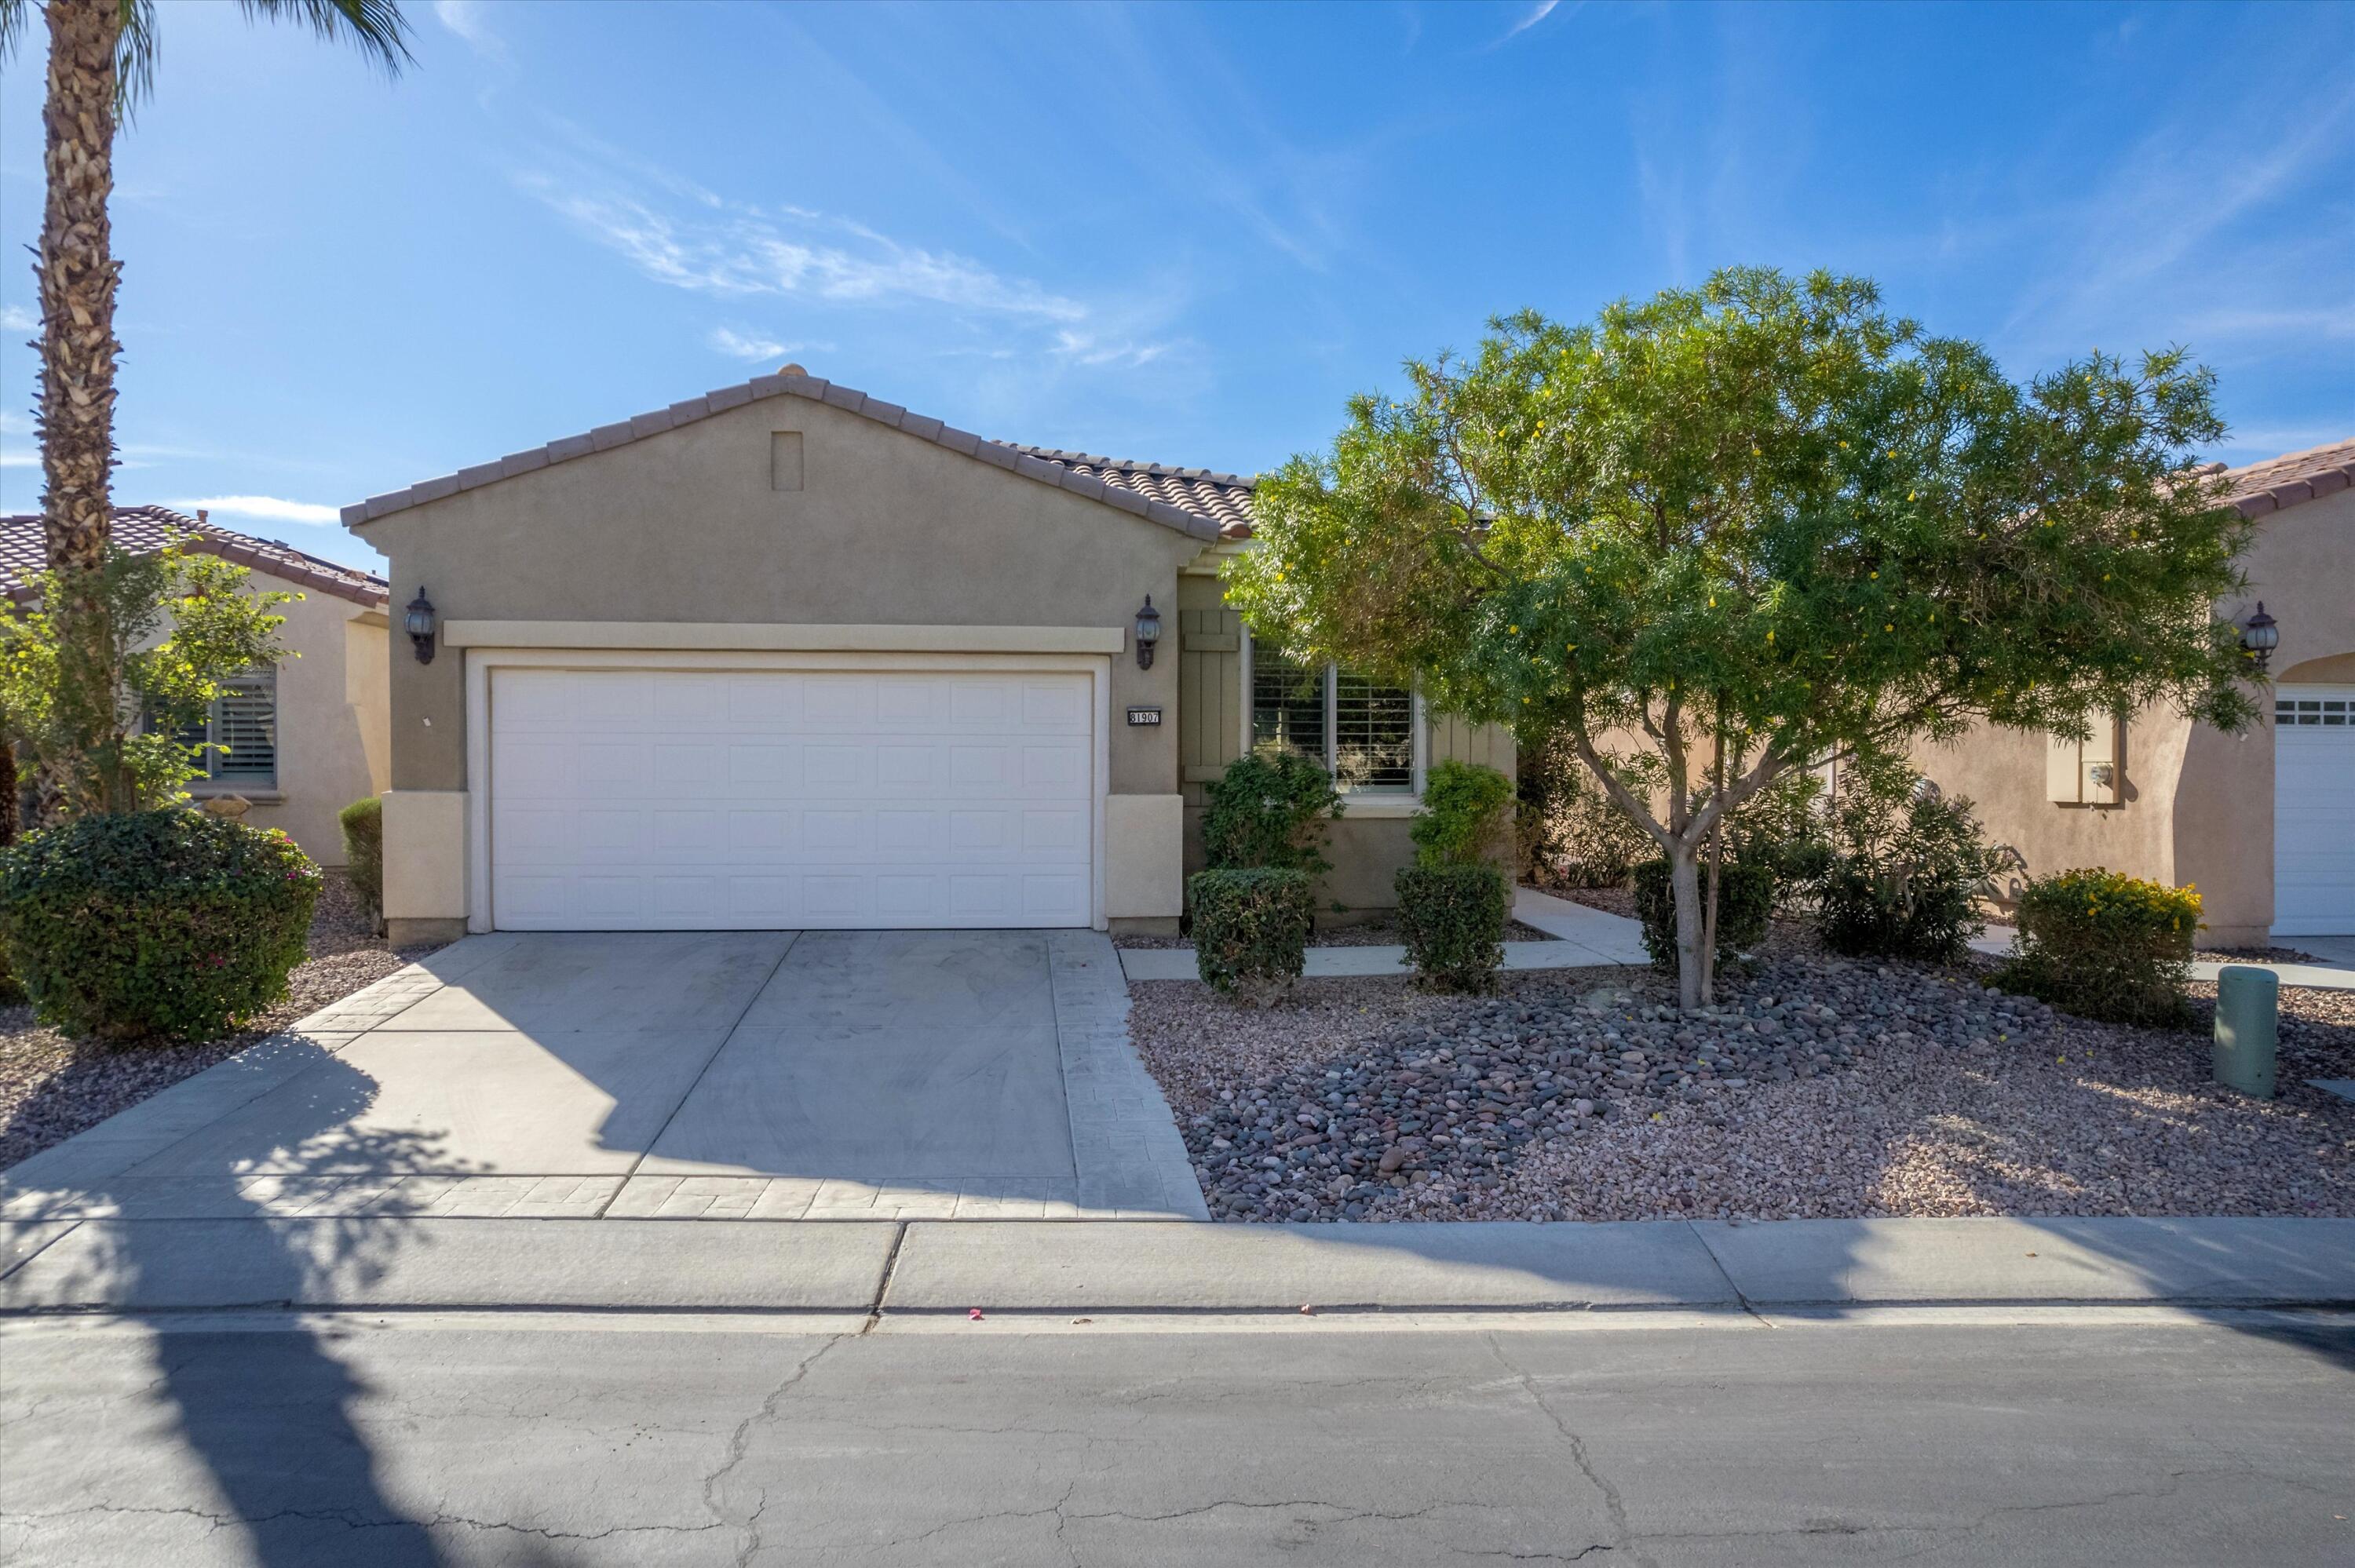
[(913, 1075), (1583, 938)]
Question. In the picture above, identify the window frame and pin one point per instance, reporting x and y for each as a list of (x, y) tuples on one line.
[(210, 779), (1418, 728)]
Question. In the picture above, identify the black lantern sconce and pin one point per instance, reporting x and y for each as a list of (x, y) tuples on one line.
[(2260, 636), (1148, 634), (419, 624)]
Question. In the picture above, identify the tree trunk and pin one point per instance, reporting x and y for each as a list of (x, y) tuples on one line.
[(76, 273), (1684, 881), (8, 826)]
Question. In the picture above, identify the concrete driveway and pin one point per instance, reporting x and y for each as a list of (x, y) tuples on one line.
[(748, 1075)]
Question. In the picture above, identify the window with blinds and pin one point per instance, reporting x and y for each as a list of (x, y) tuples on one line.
[(1373, 735), (244, 723), (1287, 703), (1363, 733)]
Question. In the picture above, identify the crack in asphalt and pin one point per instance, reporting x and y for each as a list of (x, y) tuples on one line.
[(740, 1440), (1613, 1504)]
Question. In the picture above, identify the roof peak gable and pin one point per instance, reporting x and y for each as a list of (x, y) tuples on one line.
[(1028, 463)]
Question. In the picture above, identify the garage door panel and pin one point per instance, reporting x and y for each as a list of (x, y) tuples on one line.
[(2314, 811), (685, 800)]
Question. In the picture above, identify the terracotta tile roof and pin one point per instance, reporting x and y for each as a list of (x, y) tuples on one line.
[(1224, 499), (144, 528), (605, 438), (2284, 482)]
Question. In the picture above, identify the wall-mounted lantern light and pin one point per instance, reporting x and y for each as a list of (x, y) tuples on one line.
[(2260, 636), (419, 625), (1148, 632)]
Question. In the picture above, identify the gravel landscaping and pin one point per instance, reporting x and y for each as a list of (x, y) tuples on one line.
[(51, 1087), (1818, 1088)]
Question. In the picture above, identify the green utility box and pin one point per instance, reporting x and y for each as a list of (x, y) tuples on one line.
[(2248, 1028)]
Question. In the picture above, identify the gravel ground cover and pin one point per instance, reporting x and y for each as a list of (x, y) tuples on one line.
[(1380, 933), (1818, 1088), (52, 1087)]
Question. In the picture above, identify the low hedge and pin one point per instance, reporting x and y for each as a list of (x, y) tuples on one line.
[(363, 824), (1452, 917), (1465, 811), (1746, 897), (2106, 945), (1268, 808), (156, 923), (1250, 927)]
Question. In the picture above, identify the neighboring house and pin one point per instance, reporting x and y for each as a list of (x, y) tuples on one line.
[(306, 738), (2262, 822), (789, 656)]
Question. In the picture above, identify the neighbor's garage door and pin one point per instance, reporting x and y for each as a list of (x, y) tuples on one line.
[(2314, 811), (639, 799)]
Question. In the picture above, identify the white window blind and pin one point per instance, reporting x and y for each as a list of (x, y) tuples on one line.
[(244, 719), (1361, 733), (1373, 735)]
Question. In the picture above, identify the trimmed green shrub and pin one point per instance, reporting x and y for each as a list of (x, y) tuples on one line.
[(1462, 816), (169, 922), (1452, 917), (2102, 945), (363, 823), (1269, 810), (1746, 897), (1250, 927), (1905, 877), (1572, 835)]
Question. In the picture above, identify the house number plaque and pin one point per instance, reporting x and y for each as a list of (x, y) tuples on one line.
[(1144, 717)]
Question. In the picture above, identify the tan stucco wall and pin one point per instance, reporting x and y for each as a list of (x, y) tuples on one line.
[(685, 526), (2199, 806), (330, 745)]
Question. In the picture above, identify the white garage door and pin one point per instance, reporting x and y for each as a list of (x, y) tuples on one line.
[(673, 800), (2314, 811)]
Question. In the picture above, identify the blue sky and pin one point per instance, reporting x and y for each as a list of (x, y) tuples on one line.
[(1169, 232)]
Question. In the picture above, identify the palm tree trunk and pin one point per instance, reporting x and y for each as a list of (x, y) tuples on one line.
[(76, 273)]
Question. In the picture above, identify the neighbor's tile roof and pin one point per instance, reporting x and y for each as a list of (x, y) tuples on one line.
[(1224, 499), (2284, 482), (606, 436), (142, 529)]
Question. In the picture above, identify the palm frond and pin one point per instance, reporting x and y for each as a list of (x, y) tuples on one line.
[(12, 25), (375, 28)]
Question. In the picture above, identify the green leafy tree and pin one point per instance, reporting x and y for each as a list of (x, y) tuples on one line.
[(1754, 525), (102, 63), (181, 624)]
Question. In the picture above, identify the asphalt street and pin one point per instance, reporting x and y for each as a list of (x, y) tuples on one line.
[(2082, 1438)]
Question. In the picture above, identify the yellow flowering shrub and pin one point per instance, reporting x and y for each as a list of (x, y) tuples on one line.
[(2104, 945)]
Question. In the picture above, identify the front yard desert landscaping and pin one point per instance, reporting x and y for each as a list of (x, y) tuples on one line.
[(52, 1087), (1818, 1088)]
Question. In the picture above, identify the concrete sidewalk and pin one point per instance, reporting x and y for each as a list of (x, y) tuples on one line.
[(1583, 938), (918, 1267)]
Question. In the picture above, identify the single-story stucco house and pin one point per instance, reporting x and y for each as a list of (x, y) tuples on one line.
[(304, 739), (791, 656), (2263, 822)]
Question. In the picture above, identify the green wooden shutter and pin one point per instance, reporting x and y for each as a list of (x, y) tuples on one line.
[(1209, 692)]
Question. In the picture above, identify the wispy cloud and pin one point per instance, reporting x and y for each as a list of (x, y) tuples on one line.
[(2148, 246), (466, 19), (20, 459), (741, 251), (16, 318), (749, 345), (1086, 348), (266, 508), (1536, 13)]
